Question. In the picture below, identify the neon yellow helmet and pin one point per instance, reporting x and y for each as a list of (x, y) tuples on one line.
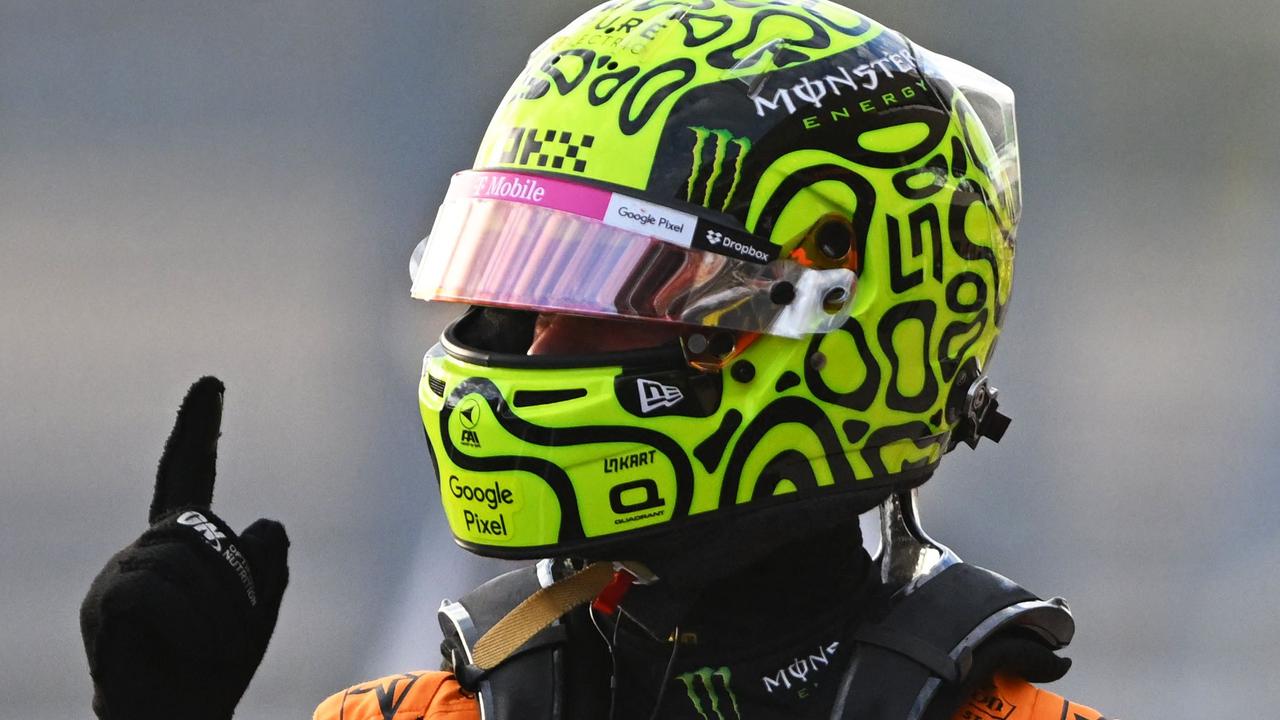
[(822, 213)]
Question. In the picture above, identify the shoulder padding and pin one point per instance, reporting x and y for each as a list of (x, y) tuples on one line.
[(531, 678), (927, 638)]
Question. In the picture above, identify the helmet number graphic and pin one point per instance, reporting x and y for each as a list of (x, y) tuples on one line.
[(655, 396)]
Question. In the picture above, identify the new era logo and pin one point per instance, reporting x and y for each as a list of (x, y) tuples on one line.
[(655, 395)]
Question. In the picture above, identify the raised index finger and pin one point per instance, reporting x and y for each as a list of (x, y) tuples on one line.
[(186, 472)]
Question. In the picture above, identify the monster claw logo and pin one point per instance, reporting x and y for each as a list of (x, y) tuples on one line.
[(705, 688), (722, 142)]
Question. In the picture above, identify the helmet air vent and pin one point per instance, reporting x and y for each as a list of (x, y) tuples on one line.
[(436, 385), (533, 398)]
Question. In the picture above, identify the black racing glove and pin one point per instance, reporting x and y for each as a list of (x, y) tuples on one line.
[(176, 624)]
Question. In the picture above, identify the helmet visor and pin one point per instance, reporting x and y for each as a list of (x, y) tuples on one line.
[(537, 243)]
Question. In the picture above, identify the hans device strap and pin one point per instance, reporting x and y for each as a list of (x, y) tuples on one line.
[(505, 640), (538, 611)]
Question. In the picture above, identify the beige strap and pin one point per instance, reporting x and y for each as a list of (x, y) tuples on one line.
[(537, 612)]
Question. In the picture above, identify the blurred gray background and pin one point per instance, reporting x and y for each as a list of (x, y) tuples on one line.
[(234, 188)]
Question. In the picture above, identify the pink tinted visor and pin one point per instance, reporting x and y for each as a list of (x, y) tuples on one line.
[(531, 242)]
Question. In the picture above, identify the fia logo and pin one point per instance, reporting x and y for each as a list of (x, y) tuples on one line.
[(469, 413), (201, 524), (655, 395)]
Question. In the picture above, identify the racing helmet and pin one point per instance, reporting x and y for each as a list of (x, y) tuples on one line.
[(818, 212)]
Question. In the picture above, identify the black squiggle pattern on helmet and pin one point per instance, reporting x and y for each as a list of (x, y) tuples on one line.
[(962, 200), (935, 119), (855, 430), (936, 167), (959, 158), (923, 311), (810, 8), (862, 189), (783, 54), (631, 122), (599, 93), (813, 33), (554, 71), (678, 4), (789, 465), (691, 36), (795, 410), (918, 431), (786, 382), (862, 28), (950, 362), (958, 282), (861, 397), (710, 451), (570, 521)]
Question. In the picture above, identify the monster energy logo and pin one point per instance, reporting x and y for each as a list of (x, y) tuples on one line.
[(704, 692), (724, 143)]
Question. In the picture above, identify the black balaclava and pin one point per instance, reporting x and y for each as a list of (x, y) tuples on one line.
[(759, 563)]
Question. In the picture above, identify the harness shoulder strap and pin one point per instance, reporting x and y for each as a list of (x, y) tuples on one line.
[(528, 685), (928, 637), (524, 646)]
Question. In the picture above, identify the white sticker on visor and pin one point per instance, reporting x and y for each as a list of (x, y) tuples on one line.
[(537, 243)]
